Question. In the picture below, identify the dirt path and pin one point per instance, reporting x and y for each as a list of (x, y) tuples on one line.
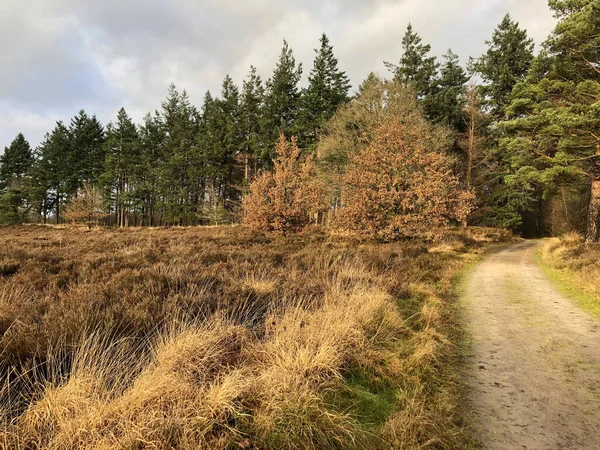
[(534, 372)]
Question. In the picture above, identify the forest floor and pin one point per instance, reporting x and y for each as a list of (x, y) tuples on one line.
[(534, 363)]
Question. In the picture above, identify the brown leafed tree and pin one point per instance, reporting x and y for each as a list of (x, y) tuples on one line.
[(355, 125), (87, 208), (398, 186), (289, 197)]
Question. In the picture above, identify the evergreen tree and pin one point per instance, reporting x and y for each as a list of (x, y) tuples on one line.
[(449, 99), (147, 176), (504, 200), (15, 165), (86, 151), (54, 171), (15, 162), (282, 100), (181, 125), (506, 62), (209, 143), (122, 158), (231, 142), (221, 141), (417, 68), (327, 89), (41, 196), (555, 117), (250, 120), (171, 170)]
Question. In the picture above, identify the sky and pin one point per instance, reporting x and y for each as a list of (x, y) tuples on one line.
[(60, 56)]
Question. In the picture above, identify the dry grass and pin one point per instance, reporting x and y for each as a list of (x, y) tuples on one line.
[(575, 265), (227, 338)]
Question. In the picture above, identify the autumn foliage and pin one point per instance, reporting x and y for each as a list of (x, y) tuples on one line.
[(385, 172), (398, 186), (87, 208), (287, 198)]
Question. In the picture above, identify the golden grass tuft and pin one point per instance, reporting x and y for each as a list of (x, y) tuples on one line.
[(260, 284)]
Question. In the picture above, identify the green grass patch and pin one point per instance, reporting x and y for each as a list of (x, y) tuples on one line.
[(373, 397), (567, 283)]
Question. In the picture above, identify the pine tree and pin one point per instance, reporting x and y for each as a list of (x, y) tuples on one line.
[(15, 166), (506, 62), (417, 68), (177, 186), (216, 156), (15, 162), (189, 193), (504, 199), (282, 103), (555, 117), (221, 143), (208, 137), (86, 151), (449, 98), (41, 196), (327, 89), (250, 119), (147, 175), (122, 157), (54, 171), (231, 144)]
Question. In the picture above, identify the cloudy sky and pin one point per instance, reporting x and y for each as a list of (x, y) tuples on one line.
[(59, 56)]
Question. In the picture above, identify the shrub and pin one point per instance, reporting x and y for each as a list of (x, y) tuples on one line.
[(287, 198)]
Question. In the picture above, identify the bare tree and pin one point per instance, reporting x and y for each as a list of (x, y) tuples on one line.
[(472, 141)]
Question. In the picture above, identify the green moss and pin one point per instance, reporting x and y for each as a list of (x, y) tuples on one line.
[(367, 398), (410, 309)]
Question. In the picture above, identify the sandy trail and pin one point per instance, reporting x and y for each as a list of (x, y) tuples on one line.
[(534, 372)]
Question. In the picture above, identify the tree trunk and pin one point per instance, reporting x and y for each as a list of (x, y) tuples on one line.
[(593, 220), (470, 151), (566, 206)]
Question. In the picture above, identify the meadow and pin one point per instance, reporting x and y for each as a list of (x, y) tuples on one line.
[(225, 337)]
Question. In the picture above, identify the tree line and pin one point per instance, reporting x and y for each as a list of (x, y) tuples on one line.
[(524, 139), (182, 165)]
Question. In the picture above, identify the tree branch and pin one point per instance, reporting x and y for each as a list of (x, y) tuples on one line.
[(589, 63)]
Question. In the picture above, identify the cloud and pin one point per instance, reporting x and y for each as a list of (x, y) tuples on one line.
[(58, 56), (22, 121)]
